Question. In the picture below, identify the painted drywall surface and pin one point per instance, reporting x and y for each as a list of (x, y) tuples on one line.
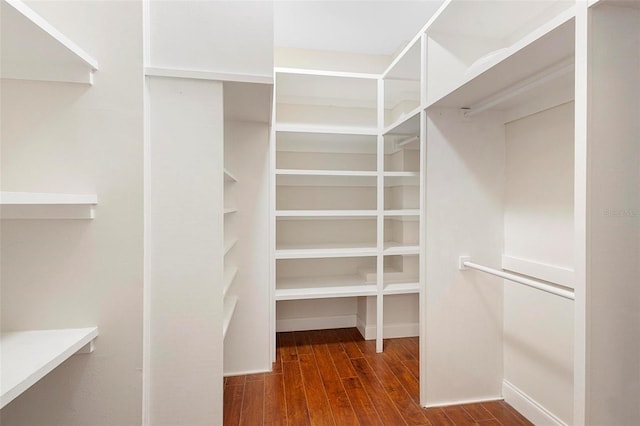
[(55, 274), (613, 346), (464, 216), (186, 247), (538, 327), (208, 36), (246, 152)]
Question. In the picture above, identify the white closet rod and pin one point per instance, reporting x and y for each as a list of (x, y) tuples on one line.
[(465, 262), (549, 74)]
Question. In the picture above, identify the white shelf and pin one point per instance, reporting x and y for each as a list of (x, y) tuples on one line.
[(230, 210), (401, 288), (228, 310), (228, 177), (323, 287), (401, 179), (325, 213), (229, 244), (332, 178), (394, 247), (543, 48), (335, 130), (229, 275), (32, 49), (28, 356), (38, 205), (325, 73), (334, 143), (403, 212), (408, 124), (325, 250), (301, 172)]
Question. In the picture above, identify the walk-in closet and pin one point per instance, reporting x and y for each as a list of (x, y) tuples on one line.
[(301, 213)]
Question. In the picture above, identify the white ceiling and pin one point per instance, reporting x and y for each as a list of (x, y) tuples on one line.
[(354, 26)]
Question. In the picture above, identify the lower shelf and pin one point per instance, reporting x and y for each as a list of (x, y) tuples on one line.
[(228, 310), (401, 288), (323, 287), (28, 356)]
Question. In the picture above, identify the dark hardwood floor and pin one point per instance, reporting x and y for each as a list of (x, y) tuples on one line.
[(334, 377)]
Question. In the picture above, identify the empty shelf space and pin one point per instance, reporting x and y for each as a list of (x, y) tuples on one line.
[(322, 287), (229, 275), (229, 177), (325, 250), (360, 179), (40, 205), (228, 309), (32, 49), (28, 356), (401, 288)]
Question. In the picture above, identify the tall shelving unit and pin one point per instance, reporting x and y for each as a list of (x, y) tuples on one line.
[(346, 194), (32, 49)]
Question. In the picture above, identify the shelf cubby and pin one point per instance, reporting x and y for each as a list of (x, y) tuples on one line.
[(33, 49)]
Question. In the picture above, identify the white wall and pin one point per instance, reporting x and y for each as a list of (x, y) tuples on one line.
[(246, 152), (185, 247), (217, 36), (613, 334), (60, 137), (538, 226), (464, 216)]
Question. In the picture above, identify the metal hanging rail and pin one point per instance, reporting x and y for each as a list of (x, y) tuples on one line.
[(465, 263)]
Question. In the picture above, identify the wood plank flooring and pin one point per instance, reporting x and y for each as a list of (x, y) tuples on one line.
[(335, 377)]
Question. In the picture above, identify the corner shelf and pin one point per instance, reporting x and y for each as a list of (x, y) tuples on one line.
[(32, 49), (228, 177), (28, 356), (39, 205), (228, 310)]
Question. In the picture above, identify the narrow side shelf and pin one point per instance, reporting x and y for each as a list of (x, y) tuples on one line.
[(229, 276), (37, 205), (229, 309), (32, 49), (401, 288), (338, 130), (230, 210), (228, 244), (28, 356), (229, 177), (404, 212), (393, 247), (323, 287), (325, 213)]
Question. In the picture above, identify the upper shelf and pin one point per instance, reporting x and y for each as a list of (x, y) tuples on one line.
[(501, 63), (38, 205), (28, 356), (32, 49)]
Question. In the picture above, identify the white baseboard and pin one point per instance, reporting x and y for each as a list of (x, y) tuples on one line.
[(390, 330), (528, 407), (462, 402), (319, 323), (244, 373)]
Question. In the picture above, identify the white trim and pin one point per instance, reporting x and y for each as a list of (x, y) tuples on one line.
[(244, 373), (317, 323), (528, 407), (463, 401), (325, 73), (543, 271), (207, 75)]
